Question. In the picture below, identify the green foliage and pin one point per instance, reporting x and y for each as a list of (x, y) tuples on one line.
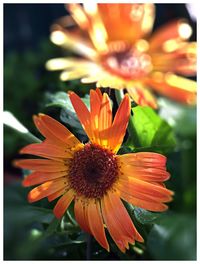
[(173, 238), (146, 217), (151, 132)]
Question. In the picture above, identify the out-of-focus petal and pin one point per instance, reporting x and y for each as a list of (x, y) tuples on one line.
[(141, 95), (175, 87), (178, 29), (126, 22)]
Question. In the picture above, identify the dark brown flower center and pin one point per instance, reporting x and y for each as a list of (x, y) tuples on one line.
[(127, 62), (92, 171)]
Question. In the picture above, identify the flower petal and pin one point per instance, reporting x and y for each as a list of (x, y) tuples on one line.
[(124, 217), (178, 29), (54, 131), (63, 203), (114, 225), (95, 104), (148, 174), (82, 113), (105, 120), (46, 189), (96, 223), (40, 177), (142, 95), (132, 185), (173, 86), (41, 165), (130, 22), (120, 123), (145, 204), (143, 159), (46, 150), (81, 214), (136, 190), (55, 195), (113, 230)]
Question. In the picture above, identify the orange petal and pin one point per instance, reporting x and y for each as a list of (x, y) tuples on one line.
[(46, 189), (124, 217), (81, 215), (185, 67), (40, 177), (143, 159), (130, 22), (120, 123), (114, 226), (180, 62), (96, 223), (149, 188), (148, 174), (55, 195), (63, 203), (54, 131), (95, 104), (82, 113), (129, 188), (98, 91), (171, 30), (145, 204), (175, 87), (105, 120), (41, 165), (142, 96), (47, 151), (123, 190)]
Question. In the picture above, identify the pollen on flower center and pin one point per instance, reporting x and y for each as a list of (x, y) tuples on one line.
[(128, 63), (92, 171)]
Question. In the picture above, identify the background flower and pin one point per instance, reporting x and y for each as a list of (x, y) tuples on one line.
[(122, 52)]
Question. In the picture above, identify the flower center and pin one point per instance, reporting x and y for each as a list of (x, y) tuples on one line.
[(128, 63), (92, 171)]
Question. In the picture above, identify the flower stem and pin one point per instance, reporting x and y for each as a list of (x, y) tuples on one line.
[(133, 140), (89, 247)]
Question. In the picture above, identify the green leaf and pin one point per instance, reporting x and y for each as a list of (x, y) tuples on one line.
[(52, 226), (146, 217), (153, 133), (173, 238)]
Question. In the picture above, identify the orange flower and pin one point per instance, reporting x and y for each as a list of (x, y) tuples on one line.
[(92, 174), (120, 51)]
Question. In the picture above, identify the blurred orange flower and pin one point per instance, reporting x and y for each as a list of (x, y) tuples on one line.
[(92, 174), (120, 52)]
